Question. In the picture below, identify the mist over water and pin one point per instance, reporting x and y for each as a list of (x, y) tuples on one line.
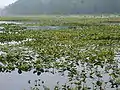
[(48, 45), (30, 7)]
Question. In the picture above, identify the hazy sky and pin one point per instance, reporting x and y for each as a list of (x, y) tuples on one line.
[(6, 2)]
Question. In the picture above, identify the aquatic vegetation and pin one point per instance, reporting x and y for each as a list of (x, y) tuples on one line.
[(87, 55)]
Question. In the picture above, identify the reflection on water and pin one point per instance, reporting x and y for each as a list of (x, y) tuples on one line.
[(23, 25), (10, 22), (19, 22), (14, 81), (26, 80), (63, 71), (2, 29), (91, 68), (16, 42), (111, 22), (45, 27)]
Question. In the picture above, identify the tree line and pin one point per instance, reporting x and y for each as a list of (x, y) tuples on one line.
[(63, 7)]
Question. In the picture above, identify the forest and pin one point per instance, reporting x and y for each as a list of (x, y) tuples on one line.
[(33, 7)]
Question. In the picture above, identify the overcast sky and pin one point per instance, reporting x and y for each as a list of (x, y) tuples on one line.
[(6, 2)]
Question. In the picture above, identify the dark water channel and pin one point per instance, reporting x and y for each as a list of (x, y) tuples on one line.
[(46, 27), (111, 23), (34, 27)]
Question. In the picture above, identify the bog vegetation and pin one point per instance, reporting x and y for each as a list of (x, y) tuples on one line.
[(86, 52)]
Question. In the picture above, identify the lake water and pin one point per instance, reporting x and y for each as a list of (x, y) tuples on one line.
[(46, 27), (10, 22), (19, 22), (15, 81), (23, 24), (25, 80)]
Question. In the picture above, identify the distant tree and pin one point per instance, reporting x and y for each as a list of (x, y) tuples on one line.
[(63, 6)]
